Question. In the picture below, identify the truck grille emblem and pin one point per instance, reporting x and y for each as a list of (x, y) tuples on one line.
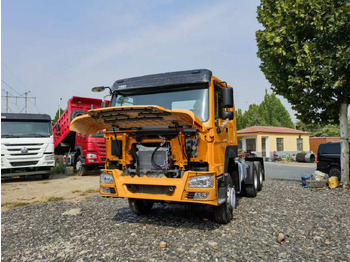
[(24, 150)]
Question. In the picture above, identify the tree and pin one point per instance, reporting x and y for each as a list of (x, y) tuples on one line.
[(274, 113), (270, 112), (57, 115), (305, 55), (322, 130)]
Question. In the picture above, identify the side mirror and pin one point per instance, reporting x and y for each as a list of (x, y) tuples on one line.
[(101, 88), (97, 89), (104, 104), (227, 97), (227, 115)]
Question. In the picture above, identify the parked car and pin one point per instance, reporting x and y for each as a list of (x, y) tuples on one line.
[(328, 159)]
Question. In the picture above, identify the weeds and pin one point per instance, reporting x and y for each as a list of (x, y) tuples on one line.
[(54, 199), (89, 191), (58, 169), (16, 204)]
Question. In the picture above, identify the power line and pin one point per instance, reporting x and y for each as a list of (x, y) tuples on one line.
[(19, 80), (10, 87)]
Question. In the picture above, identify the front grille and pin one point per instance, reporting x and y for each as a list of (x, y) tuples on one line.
[(24, 144), (29, 154), (190, 195), (24, 163), (151, 189)]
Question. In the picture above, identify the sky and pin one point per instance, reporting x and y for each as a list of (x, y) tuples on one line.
[(59, 49)]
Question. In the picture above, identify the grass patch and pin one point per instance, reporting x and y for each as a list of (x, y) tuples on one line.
[(76, 191), (16, 204), (44, 182), (54, 199), (89, 191)]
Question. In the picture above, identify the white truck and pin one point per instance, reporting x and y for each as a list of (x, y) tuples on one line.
[(27, 146)]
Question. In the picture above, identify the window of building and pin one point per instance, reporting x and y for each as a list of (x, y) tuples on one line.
[(239, 141), (279, 144), (250, 144), (299, 144)]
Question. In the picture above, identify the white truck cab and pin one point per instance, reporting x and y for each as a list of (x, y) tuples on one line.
[(26, 145)]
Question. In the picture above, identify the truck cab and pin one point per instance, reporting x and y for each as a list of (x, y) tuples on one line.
[(26, 145), (87, 153), (172, 137)]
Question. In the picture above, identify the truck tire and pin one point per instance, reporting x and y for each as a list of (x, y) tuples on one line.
[(260, 176), (334, 171), (79, 167), (252, 190), (76, 113), (223, 214), (140, 206)]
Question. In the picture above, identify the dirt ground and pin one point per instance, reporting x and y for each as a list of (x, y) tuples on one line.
[(18, 191)]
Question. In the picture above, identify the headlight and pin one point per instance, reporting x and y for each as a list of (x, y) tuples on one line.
[(91, 156), (106, 178), (201, 181), (49, 157)]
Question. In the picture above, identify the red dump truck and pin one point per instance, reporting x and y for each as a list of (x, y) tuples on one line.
[(86, 153)]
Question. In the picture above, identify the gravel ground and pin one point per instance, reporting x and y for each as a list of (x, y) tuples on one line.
[(315, 225)]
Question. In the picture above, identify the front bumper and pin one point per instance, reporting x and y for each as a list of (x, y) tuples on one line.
[(162, 188)]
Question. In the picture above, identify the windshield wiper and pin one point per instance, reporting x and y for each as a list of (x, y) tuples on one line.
[(8, 136), (36, 135)]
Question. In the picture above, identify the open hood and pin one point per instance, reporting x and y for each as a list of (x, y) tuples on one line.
[(134, 117)]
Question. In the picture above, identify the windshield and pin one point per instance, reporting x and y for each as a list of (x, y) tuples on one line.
[(196, 100), (26, 129)]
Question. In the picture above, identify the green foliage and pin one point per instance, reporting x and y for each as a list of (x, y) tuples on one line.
[(58, 169), (270, 112), (321, 130), (57, 115), (305, 54)]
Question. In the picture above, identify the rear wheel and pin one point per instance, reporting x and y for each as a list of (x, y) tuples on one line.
[(334, 171), (260, 177), (140, 206), (252, 190), (224, 213)]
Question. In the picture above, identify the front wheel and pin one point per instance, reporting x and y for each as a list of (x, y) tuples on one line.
[(140, 206), (79, 167), (224, 213)]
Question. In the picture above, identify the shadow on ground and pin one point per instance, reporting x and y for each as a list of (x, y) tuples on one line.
[(194, 216)]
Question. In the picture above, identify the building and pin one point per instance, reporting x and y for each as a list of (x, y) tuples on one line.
[(267, 141), (316, 141)]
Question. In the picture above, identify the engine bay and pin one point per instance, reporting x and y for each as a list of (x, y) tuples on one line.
[(156, 153)]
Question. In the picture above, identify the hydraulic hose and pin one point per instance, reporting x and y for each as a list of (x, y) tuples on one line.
[(152, 158), (136, 157)]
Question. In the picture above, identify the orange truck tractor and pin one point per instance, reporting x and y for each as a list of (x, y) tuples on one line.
[(172, 137)]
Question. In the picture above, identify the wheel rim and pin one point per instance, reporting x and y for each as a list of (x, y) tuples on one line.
[(261, 180), (78, 165), (231, 197), (255, 181)]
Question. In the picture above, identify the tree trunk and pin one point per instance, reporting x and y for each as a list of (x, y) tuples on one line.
[(344, 144)]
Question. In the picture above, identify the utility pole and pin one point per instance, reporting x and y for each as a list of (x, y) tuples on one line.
[(7, 102), (25, 101), (59, 107), (26, 97)]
